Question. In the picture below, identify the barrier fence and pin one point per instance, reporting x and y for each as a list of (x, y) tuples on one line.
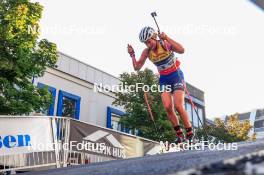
[(29, 143)]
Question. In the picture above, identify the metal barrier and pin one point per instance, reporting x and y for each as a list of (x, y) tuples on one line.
[(78, 158), (27, 161), (57, 156), (62, 127), (69, 157)]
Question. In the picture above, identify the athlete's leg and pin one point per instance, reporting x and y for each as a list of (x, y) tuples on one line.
[(178, 98), (167, 99), (169, 108)]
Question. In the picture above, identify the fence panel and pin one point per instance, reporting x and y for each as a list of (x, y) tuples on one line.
[(17, 151)]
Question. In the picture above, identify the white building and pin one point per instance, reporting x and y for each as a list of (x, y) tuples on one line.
[(72, 87)]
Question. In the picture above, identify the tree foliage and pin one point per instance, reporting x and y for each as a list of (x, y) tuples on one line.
[(237, 128), (137, 115), (233, 130), (22, 57)]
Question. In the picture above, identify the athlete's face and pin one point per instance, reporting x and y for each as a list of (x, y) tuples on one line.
[(151, 43)]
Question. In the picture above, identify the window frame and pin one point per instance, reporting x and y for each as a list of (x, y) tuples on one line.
[(52, 90), (116, 112), (70, 96), (193, 113)]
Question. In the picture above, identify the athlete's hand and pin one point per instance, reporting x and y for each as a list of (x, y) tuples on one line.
[(163, 36), (130, 50)]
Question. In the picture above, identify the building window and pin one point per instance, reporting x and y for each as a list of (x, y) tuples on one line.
[(52, 90), (113, 117), (189, 111), (68, 105), (193, 115), (259, 123), (261, 130), (200, 112), (115, 125), (198, 119), (260, 113), (195, 118)]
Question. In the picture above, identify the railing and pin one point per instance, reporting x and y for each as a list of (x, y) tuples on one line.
[(27, 161), (57, 156)]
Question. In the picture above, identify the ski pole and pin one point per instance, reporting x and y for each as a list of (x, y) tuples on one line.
[(153, 14), (192, 104), (150, 113)]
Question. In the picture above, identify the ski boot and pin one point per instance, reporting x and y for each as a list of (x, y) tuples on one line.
[(189, 135), (179, 135), (190, 138)]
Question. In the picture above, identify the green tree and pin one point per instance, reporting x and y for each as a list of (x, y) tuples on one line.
[(22, 56), (233, 130), (237, 128), (137, 115), (216, 133)]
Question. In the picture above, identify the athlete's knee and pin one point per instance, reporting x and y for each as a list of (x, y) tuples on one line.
[(168, 108), (179, 107)]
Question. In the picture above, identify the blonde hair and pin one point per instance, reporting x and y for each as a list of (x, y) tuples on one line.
[(155, 35)]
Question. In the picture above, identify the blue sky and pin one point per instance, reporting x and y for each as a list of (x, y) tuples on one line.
[(223, 41)]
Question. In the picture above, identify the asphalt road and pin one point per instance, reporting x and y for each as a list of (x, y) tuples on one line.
[(164, 164)]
